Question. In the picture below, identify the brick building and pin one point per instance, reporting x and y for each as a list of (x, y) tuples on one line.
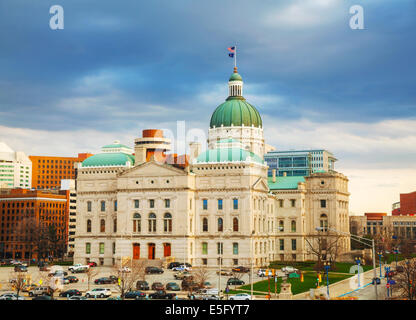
[(26, 217), (47, 172), (406, 206)]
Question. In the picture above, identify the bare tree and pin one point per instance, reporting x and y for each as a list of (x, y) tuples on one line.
[(128, 273), (324, 245), (200, 276), (91, 273), (18, 280), (406, 280)]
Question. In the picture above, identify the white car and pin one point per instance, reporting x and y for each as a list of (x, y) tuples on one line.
[(11, 296), (124, 269), (77, 298), (98, 292), (240, 296), (182, 267), (289, 269), (78, 268), (261, 272)]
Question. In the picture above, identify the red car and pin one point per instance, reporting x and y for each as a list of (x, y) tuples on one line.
[(92, 264), (157, 286)]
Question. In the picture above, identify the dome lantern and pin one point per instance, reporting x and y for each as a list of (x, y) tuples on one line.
[(235, 84)]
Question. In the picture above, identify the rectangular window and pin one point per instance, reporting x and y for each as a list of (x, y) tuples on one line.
[(89, 206), (293, 203), (204, 248), (219, 204), (114, 247), (115, 205), (219, 248), (293, 244), (281, 244), (235, 204), (136, 203), (323, 203), (204, 262), (167, 203), (88, 248), (281, 203), (235, 248), (152, 203), (102, 205), (101, 247), (205, 204)]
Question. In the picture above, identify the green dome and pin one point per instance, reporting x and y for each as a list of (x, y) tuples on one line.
[(236, 111), (235, 77), (108, 160), (228, 155)]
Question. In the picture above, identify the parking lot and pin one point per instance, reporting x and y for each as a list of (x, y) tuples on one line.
[(6, 273)]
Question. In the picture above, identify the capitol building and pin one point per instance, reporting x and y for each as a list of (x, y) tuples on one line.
[(208, 208)]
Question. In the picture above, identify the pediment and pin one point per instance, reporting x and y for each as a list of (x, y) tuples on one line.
[(261, 185), (153, 169)]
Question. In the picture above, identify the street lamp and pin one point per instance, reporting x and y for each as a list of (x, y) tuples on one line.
[(365, 241), (396, 252), (327, 266), (252, 264), (358, 261), (221, 251), (380, 254)]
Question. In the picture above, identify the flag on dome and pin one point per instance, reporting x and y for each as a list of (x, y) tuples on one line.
[(232, 52)]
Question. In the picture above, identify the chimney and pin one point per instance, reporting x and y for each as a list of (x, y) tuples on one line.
[(274, 175)]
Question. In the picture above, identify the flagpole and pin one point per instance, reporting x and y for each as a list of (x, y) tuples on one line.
[(235, 57)]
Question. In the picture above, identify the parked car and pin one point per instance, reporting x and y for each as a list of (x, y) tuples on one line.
[(72, 279), (235, 281), (135, 295), (124, 269), (153, 270), (98, 292), (289, 269), (29, 287), (44, 268), (377, 280), (43, 297), (103, 280), (92, 264), (58, 273), (261, 272), (225, 272), (78, 268), (161, 294), (209, 292), (208, 285), (39, 291), (181, 275), (157, 286), (142, 285), (189, 284), (173, 265), (113, 278), (11, 296), (241, 269), (240, 296), (77, 298), (172, 286), (70, 293), (20, 268), (182, 267)]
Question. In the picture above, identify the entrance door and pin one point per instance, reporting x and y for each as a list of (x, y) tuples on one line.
[(136, 251), (151, 251), (166, 250)]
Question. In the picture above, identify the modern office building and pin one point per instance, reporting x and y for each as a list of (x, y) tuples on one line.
[(68, 186), (299, 162), (47, 172), (15, 168), (27, 218)]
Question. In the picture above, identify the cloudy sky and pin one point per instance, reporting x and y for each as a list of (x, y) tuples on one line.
[(122, 66)]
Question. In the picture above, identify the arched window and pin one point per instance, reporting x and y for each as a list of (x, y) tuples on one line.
[(102, 206), (152, 222), (323, 222), (220, 225), (102, 225), (205, 225), (88, 225), (137, 222), (167, 222), (281, 226), (293, 226), (235, 224)]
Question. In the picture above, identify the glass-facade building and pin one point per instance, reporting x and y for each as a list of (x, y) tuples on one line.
[(299, 162)]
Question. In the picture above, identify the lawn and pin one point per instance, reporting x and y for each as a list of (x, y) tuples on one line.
[(340, 267), (297, 286)]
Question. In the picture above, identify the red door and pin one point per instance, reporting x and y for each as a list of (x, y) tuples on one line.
[(151, 251), (166, 250), (136, 251)]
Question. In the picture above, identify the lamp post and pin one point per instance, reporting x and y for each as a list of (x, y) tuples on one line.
[(380, 254), (365, 241), (221, 249), (327, 266), (252, 265), (358, 261), (396, 252)]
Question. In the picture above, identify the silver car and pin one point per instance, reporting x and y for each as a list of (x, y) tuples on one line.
[(11, 296)]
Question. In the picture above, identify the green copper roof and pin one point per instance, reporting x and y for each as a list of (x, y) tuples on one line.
[(228, 155), (283, 183), (118, 145), (235, 77), (236, 111), (108, 160)]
